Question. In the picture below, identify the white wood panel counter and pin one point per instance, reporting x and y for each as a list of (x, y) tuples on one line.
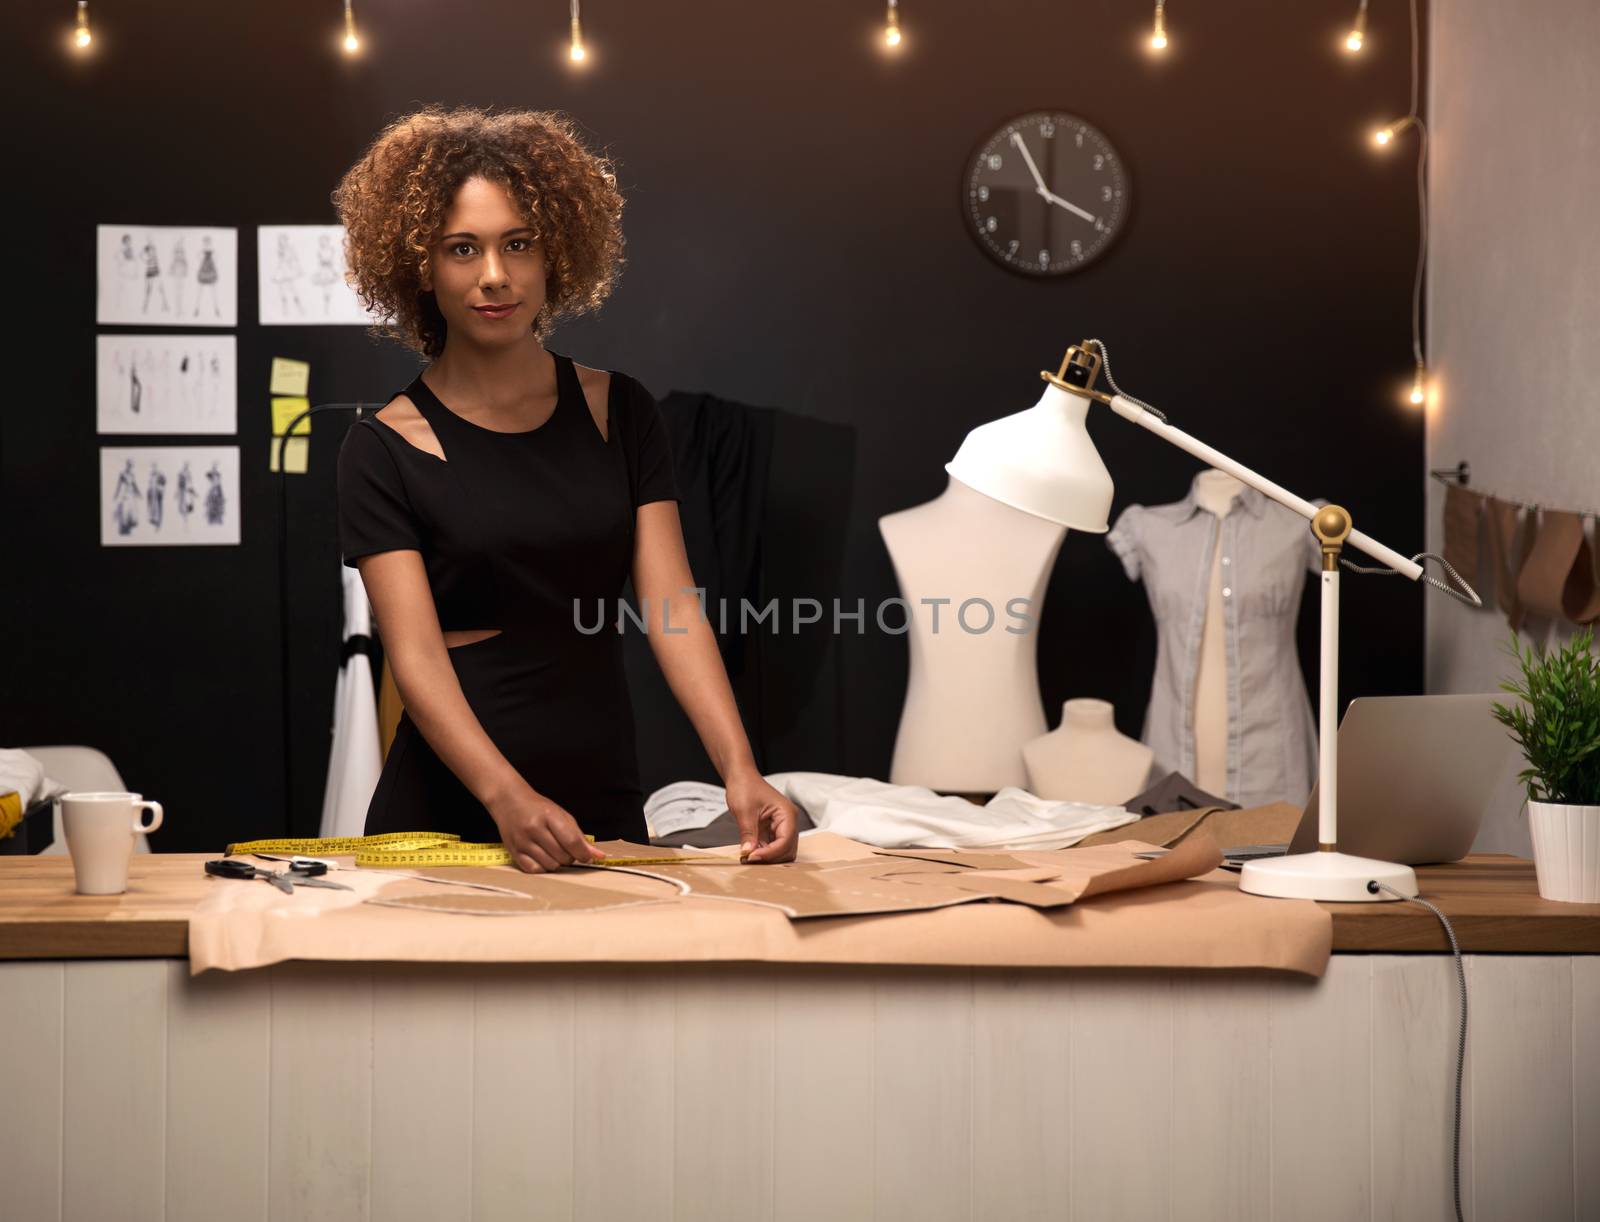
[(131, 1091)]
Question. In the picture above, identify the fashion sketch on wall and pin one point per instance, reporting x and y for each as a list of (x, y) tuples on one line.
[(301, 277), (173, 495), (167, 275), (165, 384)]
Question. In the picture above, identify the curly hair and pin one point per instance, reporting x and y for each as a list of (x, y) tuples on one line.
[(393, 203)]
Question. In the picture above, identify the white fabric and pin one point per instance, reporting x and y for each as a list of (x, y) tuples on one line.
[(900, 816), (683, 806), (357, 755), (23, 774)]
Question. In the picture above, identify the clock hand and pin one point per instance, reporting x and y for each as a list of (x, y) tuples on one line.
[(1073, 208), (1028, 157)]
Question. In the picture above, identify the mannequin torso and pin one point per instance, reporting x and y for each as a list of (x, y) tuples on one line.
[(1085, 759), (973, 693)]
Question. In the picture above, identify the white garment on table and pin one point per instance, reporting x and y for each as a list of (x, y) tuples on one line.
[(683, 806), (357, 755), (908, 816), (22, 774)]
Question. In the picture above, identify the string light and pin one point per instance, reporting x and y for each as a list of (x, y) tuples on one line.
[(1158, 35), (1357, 37), (81, 37), (352, 44), (1384, 137), (578, 52), (891, 27)]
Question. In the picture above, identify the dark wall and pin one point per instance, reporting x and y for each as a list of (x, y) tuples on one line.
[(795, 239)]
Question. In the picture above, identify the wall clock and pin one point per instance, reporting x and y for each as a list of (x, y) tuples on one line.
[(1046, 194)]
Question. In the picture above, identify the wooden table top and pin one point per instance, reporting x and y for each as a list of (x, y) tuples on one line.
[(1491, 899)]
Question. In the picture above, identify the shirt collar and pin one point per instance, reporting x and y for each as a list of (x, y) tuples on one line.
[(1251, 501)]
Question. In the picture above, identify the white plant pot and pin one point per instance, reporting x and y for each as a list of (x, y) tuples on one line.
[(1566, 851)]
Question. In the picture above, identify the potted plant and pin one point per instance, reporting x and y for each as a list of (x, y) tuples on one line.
[(1557, 725)]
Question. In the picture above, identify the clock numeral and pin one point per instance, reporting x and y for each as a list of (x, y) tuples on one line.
[(1011, 247), (1078, 139), (1099, 161), (991, 224), (1044, 258), (1047, 130), (1077, 249), (983, 194), (1105, 194), (994, 161), (1100, 226)]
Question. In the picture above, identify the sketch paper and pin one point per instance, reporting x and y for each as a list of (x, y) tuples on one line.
[(165, 384), (173, 495), (183, 275), (301, 277)]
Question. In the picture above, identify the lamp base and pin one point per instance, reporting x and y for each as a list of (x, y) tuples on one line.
[(1326, 876)]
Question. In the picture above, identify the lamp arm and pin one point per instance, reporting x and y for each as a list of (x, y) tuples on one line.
[(1130, 410)]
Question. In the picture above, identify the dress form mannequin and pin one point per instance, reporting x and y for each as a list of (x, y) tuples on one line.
[(973, 696), (1085, 759), (1215, 491)]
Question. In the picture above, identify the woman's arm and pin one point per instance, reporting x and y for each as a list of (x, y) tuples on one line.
[(531, 825), (690, 661)]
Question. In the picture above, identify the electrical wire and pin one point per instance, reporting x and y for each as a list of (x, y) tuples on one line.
[(1374, 886), (1105, 366), (1465, 593)]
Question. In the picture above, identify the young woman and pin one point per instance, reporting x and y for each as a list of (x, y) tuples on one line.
[(507, 486)]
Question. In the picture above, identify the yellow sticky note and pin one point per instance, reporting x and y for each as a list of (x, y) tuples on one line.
[(290, 377), (284, 410), (296, 454)]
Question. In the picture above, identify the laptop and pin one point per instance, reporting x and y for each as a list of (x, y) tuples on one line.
[(1416, 776)]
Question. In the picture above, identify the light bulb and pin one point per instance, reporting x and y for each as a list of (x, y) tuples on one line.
[(1158, 35), (1418, 389), (891, 25), (891, 37), (578, 52), (1357, 37), (1383, 136), (352, 44), (81, 37)]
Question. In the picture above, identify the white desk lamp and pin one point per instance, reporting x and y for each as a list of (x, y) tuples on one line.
[(1042, 462)]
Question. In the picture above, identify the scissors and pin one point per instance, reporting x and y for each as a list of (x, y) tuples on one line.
[(303, 871)]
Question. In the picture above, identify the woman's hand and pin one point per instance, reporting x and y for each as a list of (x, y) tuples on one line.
[(540, 834), (767, 820)]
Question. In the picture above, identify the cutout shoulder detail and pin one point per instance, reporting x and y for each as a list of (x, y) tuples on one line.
[(596, 385), (400, 414)]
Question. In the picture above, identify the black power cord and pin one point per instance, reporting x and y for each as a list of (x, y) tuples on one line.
[(1373, 887)]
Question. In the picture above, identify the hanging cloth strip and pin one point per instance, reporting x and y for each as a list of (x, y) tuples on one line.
[(1463, 531), (1558, 579), (1510, 540)]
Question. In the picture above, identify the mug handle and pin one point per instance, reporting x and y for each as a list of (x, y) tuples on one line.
[(139, 825)]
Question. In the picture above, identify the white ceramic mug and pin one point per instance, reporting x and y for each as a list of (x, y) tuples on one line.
[(100, 828)]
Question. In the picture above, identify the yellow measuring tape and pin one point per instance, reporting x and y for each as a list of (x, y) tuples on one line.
[(427, 849)]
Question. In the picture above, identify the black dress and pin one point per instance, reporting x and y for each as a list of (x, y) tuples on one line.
[(532, 533)]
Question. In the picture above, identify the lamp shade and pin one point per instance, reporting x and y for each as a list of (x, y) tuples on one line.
[(1040, 461)]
